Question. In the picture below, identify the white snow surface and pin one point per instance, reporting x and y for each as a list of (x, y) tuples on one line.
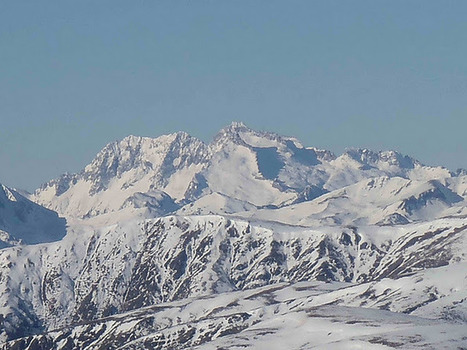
[(271, 317), (417, 269), (25, 222)]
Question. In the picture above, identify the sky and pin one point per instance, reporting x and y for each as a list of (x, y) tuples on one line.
[(76, 75)]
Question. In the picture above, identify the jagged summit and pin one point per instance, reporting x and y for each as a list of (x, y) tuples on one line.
[(235, 132), (236, 126), (145, 154), (240, 133), (390, 157), (239, 168)]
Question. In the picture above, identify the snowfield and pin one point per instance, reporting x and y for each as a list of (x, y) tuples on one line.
[(272, 317)]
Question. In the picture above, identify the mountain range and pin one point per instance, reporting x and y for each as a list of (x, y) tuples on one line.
[(250, 241)]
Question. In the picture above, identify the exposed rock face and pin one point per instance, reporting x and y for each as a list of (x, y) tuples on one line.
[(142, 264)]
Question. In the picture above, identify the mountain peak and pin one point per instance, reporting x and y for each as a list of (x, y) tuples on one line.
[(257, 167), (144, 155), (239, 133), (132, 140), (237, 125), (231, 133), (396, 158), (234, 128), (8, 193), (390, 157)]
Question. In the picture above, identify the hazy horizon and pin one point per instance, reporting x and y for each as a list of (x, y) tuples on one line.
[(380, 75)]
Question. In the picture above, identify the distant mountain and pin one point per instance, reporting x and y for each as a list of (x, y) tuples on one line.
[(376, 201), (241, 169), (157, 169)]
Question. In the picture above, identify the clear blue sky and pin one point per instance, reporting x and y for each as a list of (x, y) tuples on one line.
[(75, 75)]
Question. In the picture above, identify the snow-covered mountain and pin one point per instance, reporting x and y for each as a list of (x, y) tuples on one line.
[(242, 170), (95, 273), (251, 241), (136, 172), (380, 201), (273, 317), (22, 221)]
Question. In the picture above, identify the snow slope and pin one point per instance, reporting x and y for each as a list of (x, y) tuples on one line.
[(272, 317), (22, 221), (380, 201), (95, 273)]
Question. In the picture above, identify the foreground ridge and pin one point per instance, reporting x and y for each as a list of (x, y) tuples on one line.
[(94, 274), (280, 316)]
